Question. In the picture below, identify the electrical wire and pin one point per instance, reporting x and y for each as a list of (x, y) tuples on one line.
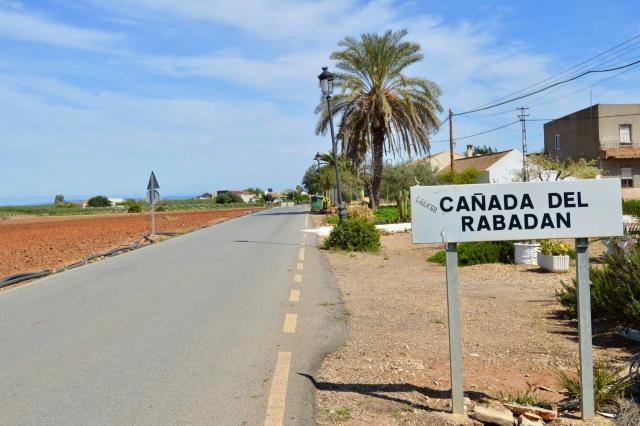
[(477, 134), (548, 87), (599, 63)]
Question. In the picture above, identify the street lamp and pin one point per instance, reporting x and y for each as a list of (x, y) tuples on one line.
[(318, 157), (326, 84)]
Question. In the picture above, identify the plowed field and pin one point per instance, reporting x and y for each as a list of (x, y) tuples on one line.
[(38, 243)]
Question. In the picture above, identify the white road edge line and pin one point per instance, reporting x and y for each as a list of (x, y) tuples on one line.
[(278, 392), (301, 254)]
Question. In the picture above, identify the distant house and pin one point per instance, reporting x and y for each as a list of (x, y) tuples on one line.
[(500, 167), (206, 196), (246, 197), (439, 161), (608, 133)]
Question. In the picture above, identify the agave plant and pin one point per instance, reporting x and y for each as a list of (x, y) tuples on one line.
[(378, 107), (609, 384)]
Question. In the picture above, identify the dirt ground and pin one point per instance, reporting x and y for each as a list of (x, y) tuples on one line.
[(39, 243), (394, 368)]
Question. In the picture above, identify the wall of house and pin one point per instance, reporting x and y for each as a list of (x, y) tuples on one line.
[(609, 127), (506, 169), (611, 168), (578, 135)]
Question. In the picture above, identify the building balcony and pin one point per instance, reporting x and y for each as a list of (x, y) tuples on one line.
[(614, 148)]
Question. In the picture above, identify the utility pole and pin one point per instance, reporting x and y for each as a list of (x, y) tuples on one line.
[(451, 138), (523, 120)]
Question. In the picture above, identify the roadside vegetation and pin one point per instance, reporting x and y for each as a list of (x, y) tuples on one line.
[(477, 253), (358, 234), (65, 209), (615, 291)]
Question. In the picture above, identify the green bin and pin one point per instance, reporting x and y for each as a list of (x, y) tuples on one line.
[(317, 202)]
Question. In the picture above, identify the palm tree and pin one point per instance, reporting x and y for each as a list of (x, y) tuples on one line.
[(379, 108)]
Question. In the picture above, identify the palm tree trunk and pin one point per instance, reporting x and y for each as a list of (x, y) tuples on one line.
[(376, 178)]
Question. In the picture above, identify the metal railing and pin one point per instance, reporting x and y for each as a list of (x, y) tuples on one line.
[(615, 143)]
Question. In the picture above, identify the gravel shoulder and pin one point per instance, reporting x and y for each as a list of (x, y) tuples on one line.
[(394, 368)]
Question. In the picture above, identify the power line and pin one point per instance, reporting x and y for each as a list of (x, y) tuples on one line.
[(532, 119), (478, 134), (535, 103), (568, 69), (584, 118), (549, 86)]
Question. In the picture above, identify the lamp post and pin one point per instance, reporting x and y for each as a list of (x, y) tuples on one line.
[(326, 84), (318, 157)]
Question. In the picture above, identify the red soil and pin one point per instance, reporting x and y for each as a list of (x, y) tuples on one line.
[(38, 243)]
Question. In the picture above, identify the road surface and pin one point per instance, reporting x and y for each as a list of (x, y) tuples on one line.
[(200, 329)]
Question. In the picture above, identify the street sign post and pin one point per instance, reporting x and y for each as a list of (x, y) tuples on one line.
[(152, 198), (518, 211)]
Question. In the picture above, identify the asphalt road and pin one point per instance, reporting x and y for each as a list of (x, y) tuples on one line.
[(183, 332)]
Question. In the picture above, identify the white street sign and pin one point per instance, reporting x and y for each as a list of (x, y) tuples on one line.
[(516, 211), (152, 197)]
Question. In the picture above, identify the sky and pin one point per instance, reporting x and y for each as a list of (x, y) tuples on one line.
[(220, 95)]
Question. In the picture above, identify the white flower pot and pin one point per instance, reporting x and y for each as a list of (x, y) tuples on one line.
[(526, 253), (552, 263)]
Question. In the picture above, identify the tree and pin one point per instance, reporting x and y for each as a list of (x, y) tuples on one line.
[(484, 150), (99, 201), (546, 168), (228, 198), (465, 177), (401, 177), (59, 199), (255, 191), (379, 108)]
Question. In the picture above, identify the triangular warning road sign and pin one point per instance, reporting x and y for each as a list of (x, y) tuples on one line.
[(153, 182)]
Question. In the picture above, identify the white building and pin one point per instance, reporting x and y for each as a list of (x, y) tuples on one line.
[(500, 167)]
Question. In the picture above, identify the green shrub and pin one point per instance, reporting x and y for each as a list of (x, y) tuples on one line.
[(477, 253), (631, 207), (99, 201), (465, 177), (609, 383), (615, 290), (134, 208), (354, 235), (331, 219), (360, 212), (228, 198), (387, 214), (160, 208)]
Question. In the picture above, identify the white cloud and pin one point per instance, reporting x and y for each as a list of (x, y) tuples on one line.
[(18, 25)]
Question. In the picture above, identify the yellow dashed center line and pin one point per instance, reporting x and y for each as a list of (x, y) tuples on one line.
[(297, 278), (304, 237), (294, 296), (278, 392), (301, 254), (300, 266), (306, 221), (290, 321)]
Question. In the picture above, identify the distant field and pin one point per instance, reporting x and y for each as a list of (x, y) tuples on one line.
[(63, 210)]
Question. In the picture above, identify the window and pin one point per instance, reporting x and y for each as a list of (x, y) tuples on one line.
[(626, 177), (557, 141), (625, 133)]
